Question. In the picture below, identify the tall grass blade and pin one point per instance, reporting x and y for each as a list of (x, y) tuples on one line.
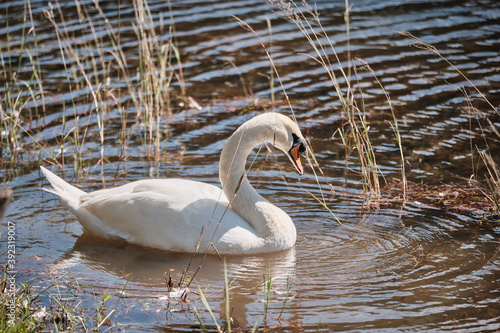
[(207, 307), (226, 298)]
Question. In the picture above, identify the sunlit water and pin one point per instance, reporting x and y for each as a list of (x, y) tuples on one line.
[(404, 268)]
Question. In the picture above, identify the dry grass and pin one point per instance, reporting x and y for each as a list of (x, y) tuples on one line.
[(101, 75), (492, 176), (472, 199), (355, 132), (66, 311)]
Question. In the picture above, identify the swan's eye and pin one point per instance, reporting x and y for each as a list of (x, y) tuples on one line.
[(297, 141)]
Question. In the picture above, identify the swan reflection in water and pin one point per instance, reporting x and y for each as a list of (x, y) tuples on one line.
[(121, 262)]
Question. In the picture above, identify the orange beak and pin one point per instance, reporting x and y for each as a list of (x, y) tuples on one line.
[(295, 154)]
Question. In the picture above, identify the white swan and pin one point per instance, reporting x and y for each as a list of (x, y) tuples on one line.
[(174, 214)]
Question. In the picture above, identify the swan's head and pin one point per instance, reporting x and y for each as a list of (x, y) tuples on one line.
[(271, 127), (289, 139)]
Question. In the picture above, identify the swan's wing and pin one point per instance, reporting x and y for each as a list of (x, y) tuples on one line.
[(168, 214)]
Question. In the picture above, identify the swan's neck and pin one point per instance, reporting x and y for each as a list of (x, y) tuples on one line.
[(268, 220)]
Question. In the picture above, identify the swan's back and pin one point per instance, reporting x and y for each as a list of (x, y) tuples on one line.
[(169, 214)]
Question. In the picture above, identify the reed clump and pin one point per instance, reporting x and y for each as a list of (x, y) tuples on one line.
[(105, 79), (492, 172), (355, 131), (22, 100), (342, 72), (118, 82)]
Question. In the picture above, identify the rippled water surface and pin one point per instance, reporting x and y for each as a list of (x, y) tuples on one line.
[(410, 268)]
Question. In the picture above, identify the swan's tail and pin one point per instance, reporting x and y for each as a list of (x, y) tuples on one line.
[(70, 195)]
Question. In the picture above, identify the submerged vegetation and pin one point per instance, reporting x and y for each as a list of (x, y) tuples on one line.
[(115, 86)]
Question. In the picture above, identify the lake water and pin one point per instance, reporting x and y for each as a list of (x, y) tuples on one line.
[(397, 268)]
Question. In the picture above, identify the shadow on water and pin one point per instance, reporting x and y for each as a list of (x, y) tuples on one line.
[(399, 267)]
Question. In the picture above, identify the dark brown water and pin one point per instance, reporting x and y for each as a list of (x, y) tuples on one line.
[(408, 268)]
